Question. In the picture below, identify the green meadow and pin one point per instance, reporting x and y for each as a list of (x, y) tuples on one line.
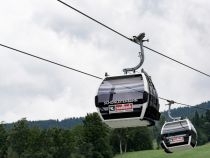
[(198, 152)]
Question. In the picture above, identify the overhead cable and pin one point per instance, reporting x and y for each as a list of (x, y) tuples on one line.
[(49, 61), (79, 71), (174, 102), (117, 32)]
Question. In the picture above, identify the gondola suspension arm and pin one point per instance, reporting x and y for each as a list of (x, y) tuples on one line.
[(170, 102), (139, 40)]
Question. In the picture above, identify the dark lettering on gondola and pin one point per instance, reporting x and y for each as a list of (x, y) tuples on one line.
[(120, 101)]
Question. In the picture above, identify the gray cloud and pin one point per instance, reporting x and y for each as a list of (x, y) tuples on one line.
[(38, 90)]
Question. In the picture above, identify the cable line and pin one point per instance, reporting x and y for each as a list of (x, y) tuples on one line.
[(100, 23), (79, 71), (49, 61), (177, 61), (196, 107)]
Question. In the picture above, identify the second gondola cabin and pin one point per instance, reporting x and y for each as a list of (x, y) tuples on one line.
[(178, 135), (128, 101)]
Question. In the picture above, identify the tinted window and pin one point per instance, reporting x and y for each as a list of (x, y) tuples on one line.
[(118, 89), (175, 127)]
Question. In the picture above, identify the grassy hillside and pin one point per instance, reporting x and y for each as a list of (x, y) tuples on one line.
[(199, 152)]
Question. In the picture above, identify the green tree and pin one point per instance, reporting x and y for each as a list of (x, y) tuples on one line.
[(19, 137), (131, 139), (35, 140), (56, 142), (77, 144), (208, 116), (206, 124), (196, 120), (200, 125), (3, 141), (202, 137), (119, 140), (36, 145), (96, 134), (157, 130), (37, 154), (140, 139)]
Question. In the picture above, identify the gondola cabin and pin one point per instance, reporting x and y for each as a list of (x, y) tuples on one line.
[(128, 101), (178, 135)]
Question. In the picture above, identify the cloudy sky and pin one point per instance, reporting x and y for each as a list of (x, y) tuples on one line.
[(38, 90)]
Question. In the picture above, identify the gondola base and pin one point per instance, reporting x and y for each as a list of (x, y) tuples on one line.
[(128, 122), (176, 148)]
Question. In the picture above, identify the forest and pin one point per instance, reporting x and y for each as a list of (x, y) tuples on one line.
[(88, 138)]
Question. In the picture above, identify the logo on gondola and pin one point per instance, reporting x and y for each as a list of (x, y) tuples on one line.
[(176, 139), (112, 108), (118, 108)]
